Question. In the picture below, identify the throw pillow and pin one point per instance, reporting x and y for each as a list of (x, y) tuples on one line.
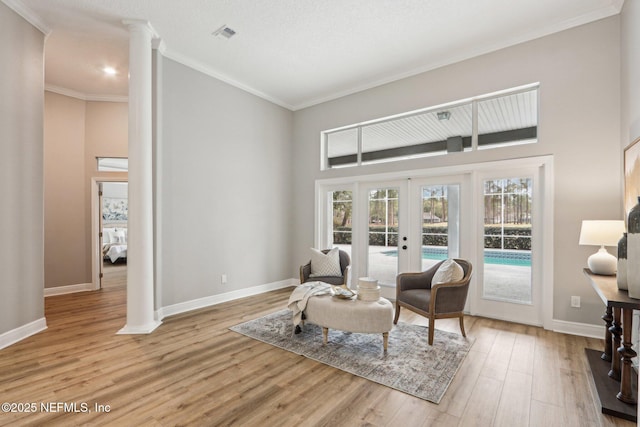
[(325, 265), (118, 237), (449, 271)]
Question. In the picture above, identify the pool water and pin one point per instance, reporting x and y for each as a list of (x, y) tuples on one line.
[(491, 256)]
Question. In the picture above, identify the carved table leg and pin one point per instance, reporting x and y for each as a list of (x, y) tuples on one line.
[(608, 319), (627, 353), (616, 331)]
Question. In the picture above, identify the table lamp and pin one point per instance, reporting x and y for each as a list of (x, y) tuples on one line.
[(602, 233)]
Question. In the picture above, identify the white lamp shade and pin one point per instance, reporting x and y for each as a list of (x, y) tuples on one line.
[(601, 232)]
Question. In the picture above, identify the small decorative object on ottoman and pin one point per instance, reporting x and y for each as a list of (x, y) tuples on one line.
[(368, 289)]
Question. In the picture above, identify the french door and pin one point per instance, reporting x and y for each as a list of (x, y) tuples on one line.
[(509, 214), (435, 220), (385, 240), (404, 225), (496, 217)]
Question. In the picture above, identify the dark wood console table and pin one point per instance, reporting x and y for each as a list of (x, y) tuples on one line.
[(612, 371)]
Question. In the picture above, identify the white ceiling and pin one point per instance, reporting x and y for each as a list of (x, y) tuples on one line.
[(295, 53)]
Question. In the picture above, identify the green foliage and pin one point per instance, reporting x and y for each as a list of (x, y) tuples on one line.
[(342, 238), (515, 237)]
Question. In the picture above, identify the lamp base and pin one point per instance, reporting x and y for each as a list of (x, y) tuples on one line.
[(603, 263)]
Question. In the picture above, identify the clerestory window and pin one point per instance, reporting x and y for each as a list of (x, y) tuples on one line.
[(488, 121)]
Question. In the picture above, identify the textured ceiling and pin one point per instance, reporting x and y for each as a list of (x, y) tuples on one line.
[(295, 53)]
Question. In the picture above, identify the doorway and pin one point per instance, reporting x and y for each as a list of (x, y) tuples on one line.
[(114, 202), (109, 220)]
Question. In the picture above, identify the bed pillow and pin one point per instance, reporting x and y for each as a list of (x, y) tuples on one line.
[(449, 271), (325, 265), (118, 238), (107, 235)]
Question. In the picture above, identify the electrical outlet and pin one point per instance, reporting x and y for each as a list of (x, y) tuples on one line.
[(575, 301), (223, 279)]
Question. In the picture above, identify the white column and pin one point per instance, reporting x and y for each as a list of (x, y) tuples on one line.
[(140, 283)]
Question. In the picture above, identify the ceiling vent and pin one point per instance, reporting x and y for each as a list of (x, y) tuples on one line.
[(224, 31)]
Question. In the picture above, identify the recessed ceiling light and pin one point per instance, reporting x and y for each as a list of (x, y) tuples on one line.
[(224, 31), (110, 71)]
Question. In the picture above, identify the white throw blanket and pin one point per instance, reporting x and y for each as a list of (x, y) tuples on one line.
[(300, 296)]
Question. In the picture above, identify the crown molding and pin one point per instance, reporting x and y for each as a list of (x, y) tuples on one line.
[(85, 96), (29, 15), (198, 66), (612, 9), (159, 45), (141, 23)]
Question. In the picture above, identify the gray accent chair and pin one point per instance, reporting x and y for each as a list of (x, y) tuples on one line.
[(345, 267), (415, 292)]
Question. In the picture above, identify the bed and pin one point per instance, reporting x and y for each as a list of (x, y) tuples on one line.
[(114, 243)]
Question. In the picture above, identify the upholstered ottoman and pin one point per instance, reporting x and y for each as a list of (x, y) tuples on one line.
[(352, 315)]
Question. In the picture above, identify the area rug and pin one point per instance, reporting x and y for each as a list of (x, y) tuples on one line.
[(409, 365)]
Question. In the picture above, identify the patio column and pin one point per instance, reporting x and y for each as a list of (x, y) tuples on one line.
[(140, 283)]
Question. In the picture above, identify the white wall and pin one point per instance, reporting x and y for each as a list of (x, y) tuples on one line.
[(578, 71), (630, 93), (630, 35), (66, 219), (224, 182), (21, 172), (75, 133)]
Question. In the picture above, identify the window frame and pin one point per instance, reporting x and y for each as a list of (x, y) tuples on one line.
[(413, 151), (111, 169)]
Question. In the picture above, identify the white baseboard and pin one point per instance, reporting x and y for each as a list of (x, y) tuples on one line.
[(581, 329), (69, 289), (220, 298), (24, 331)]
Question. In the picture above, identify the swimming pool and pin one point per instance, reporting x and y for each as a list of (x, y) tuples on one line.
[(491, 256)]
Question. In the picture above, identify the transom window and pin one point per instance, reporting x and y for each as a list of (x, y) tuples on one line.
[(488, 121), (113, 164)]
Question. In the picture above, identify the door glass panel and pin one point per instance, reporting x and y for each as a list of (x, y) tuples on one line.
[(507, 239), (341, 232), (383, 235), (440, 223)]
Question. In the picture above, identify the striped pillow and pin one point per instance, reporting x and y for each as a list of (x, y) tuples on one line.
[(325, 265)]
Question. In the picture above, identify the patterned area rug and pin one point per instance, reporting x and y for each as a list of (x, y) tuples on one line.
[(409, 365)]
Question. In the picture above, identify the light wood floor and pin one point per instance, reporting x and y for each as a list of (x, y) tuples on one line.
[(193, 371), (114, 274)]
